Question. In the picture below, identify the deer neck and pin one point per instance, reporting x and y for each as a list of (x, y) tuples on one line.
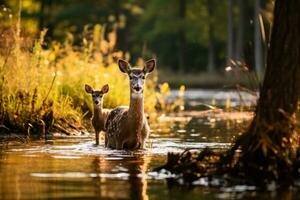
[(136, 110), (98, 110)]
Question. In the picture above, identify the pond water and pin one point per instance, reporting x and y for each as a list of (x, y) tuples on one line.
[(73, 168)]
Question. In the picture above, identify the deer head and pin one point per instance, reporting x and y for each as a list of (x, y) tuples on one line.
[(96, 94), (137, 76)]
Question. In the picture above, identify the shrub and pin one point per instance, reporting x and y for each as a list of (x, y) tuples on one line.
[(43, 88)]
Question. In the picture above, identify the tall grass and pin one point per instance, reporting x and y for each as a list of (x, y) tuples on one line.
[(42, 88)]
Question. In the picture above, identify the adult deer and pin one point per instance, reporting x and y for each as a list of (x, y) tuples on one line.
[(127, 128), (99, 115)]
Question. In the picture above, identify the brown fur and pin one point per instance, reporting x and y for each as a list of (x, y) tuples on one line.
[(127, 128), (99, 115), (98, 121)]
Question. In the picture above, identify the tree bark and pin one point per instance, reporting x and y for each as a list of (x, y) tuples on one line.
[(211, 39), (229, 33), (42, 15), (240, 34), (45, 18), (269, 146), (181, 34), (259, 64), (122, 32)]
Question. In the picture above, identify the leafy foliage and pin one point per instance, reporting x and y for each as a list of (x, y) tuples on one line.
[(146, 28)]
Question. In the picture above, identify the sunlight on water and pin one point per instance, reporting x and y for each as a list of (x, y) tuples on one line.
[(73, 167)]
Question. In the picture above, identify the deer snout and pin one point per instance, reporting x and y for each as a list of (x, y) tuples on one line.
[(137, 88), (97, 101)]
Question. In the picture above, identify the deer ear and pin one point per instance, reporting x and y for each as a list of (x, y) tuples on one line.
[(124, 66), (149, 66), (88, 88), (105, 89)]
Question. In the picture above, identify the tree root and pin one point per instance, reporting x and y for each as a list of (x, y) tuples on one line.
[(238, 165)]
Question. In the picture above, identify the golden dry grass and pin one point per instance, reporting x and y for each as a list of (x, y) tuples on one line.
[(39, 84)]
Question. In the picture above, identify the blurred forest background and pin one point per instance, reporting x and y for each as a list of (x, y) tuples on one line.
[(191, 37)]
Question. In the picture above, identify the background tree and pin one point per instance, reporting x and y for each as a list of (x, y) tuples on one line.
[(240, 31), (259, 65), (269, 147), (230, 32), (181, 34), (269, 151), (211, 38), (187, 36)]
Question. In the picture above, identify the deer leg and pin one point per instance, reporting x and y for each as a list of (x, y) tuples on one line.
[(119, 145), (142, 145), (100, 137), (145, 134), (97, 136), (106, 140)]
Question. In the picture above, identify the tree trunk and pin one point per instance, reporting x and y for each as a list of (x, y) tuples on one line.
[(181, 34), (229, 33), (42, 15), (211, 48), (259, 64), (122, 32), (269, 146), (45, 18), (240, 35)]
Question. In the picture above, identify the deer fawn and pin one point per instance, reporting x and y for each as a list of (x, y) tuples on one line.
[(127, 128), (100, 114)]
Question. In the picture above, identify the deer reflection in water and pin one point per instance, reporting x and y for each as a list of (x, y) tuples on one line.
[(130, 179)]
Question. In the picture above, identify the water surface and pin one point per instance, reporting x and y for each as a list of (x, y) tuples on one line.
[(74, 168)]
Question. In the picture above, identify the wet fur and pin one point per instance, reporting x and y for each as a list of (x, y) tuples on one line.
[(99, 120), (127, 129), (99, 115)]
